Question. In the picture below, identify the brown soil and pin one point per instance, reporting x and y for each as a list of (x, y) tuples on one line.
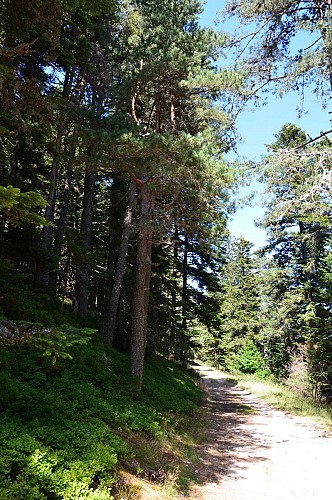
[(255, 452)]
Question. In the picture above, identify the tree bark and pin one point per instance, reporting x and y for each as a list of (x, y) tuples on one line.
[(83, 266), (184, 326), (43, 272), (112, 305), (141, 288), (174, 318), (60, 229)]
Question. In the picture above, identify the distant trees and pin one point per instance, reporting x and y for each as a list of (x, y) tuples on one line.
[(239, 311), (232, 333)]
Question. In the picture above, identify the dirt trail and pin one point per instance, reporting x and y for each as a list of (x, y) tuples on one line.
[(255, 452)]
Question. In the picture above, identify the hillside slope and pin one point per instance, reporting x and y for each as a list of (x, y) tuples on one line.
[(76, 428)]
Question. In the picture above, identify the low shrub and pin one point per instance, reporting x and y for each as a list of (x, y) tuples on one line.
[(65, 427)]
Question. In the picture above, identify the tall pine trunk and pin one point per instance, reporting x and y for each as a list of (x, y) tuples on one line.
[(83, 265), (184, 326), (174, 317), (44, 268), (114, 297), (61, 225), (141, 288)]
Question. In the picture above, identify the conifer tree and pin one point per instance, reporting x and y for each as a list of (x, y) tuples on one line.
[(298, 221), (173, 89), (264, 43)]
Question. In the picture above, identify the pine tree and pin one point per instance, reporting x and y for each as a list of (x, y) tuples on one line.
[(298, 220), (266, 48), (168, 95)]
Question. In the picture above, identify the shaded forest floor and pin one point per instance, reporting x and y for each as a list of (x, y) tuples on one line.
[(254, 451)]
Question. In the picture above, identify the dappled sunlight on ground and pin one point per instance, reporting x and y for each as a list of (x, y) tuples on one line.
[(256, 452)]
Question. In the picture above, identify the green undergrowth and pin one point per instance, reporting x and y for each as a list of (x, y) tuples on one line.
[(70, 429), (283, 398)]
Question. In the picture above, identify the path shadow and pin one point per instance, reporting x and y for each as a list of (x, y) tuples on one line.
[(233, 442)]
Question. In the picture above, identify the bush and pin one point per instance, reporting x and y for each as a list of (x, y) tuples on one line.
[(248, 359)]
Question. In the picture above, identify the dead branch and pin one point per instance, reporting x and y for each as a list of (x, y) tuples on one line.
[(173, 123), (133, 111)]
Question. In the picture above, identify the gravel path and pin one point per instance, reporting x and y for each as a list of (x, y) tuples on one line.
[(255, 452)]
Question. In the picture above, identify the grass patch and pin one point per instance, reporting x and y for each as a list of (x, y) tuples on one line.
[(284, 399), (76, 429), (241, 408)]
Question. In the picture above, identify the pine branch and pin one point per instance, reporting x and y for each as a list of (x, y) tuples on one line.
[(22, 48), (310, 141)]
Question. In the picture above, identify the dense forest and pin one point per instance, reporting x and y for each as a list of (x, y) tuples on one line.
[(115, 191)]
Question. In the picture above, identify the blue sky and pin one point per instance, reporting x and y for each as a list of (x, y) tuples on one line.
[(257, 128)]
